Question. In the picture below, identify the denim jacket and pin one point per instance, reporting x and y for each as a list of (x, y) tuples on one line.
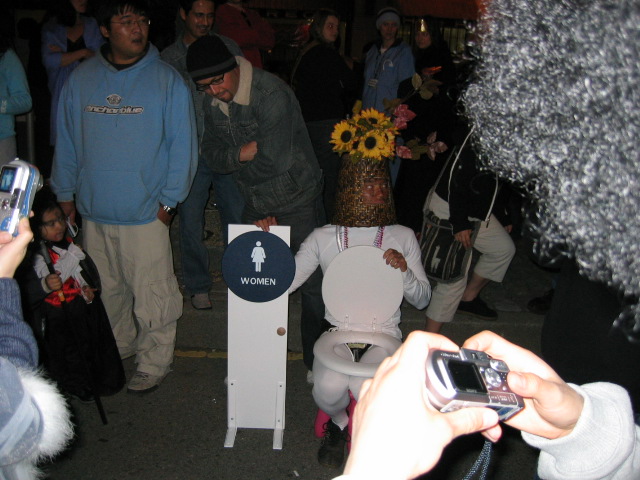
[(285, 172)]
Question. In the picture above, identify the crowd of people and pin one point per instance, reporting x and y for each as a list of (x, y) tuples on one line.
[(206, 112)]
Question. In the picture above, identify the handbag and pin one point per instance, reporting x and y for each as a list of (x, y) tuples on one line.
[(444, 258)]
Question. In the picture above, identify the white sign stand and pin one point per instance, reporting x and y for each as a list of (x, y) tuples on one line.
[(257, 359)]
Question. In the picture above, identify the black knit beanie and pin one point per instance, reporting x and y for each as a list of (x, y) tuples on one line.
[(209, 57)]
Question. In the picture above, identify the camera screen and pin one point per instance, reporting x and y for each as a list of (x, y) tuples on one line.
[(8, 176), (465, 376)]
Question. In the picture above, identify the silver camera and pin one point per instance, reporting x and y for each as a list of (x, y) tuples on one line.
[(470, 378), (19, 182)]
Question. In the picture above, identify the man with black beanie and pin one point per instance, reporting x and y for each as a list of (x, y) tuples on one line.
[(254, 129)]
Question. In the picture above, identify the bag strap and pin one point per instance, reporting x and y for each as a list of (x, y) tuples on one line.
[(425, 208), (455, 151), (493, 199)]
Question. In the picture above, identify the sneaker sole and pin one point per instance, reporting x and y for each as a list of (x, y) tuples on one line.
[(202, 308), (142, 392)]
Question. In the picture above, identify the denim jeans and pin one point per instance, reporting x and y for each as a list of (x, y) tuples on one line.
[(193, 253), (303, 220)]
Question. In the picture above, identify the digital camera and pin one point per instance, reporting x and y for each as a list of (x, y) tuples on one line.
[(19, 182), (470, 378)]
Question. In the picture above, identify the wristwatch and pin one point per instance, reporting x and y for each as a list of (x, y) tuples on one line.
[(170, 210)]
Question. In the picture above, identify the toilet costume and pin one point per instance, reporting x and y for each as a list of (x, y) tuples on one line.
[(362, 293)]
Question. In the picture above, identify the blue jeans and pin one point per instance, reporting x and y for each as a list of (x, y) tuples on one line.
[(303, 220), (193, 253)]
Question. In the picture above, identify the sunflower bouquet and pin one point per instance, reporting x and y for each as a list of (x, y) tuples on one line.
[(369, 135)]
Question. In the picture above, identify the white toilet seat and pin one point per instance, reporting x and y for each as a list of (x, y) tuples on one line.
[(324, 351), (362, 290)]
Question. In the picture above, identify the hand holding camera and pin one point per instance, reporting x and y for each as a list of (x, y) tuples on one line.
[(13, 249), (394, 418), (552, 407), (397, 404), (19, 182), (470, 378)]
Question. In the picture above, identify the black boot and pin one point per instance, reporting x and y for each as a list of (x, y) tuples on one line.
[(541, 305), (331, 453), (477, 308)]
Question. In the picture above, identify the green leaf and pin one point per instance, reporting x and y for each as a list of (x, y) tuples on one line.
[(416, 81)]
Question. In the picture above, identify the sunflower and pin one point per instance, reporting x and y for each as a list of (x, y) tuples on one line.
[(375, 118), (369, 134), (389, 144), (373, 146), (343, 137)]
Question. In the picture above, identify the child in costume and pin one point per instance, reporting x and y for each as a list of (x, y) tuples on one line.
[(78, 347)]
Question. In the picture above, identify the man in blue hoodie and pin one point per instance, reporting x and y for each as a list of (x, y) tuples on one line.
[(125, 157)]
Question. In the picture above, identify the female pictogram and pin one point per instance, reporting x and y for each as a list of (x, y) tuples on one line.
[(258, 256)]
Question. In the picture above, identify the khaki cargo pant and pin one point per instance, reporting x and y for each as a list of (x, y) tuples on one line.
[(497, 251), (139, 289)]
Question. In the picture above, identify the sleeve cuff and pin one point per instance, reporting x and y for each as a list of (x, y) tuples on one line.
[(599, 442)]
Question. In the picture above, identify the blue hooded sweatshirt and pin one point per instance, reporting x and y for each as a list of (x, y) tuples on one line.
[(126, 140)]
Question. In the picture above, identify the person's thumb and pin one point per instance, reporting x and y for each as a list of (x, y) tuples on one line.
[(526, 385)]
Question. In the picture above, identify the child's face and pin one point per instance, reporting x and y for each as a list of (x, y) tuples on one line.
[(54, 225)]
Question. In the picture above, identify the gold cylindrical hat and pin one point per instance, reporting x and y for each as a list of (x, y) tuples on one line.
[(350, 210)]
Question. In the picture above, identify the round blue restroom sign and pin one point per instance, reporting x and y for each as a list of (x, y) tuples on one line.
[(258, 266)]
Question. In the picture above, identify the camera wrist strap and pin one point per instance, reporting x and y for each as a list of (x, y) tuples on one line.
[(482, 462)]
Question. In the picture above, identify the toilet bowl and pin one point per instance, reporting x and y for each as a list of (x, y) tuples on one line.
[(364, 292), (324, 351)]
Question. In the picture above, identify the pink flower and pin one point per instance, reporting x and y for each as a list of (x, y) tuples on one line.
[(435, 147), (403, 151), (402, 115)]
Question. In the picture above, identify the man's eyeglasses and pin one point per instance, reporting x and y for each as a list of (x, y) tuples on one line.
[(142, 23), (203, 87)]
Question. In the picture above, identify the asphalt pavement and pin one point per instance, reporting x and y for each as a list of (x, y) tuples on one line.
[(178, 431)]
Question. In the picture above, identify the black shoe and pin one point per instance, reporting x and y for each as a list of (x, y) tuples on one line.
[(331, 453), (541, 305), (477, 308)]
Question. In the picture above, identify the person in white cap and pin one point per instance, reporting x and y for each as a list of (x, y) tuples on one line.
[(387, 63)]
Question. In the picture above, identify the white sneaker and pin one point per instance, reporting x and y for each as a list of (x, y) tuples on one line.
[(142, 382), (310, 377)]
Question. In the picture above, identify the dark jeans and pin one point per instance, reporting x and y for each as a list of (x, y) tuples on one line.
[(320, 134), (194, 255), (302, 220)]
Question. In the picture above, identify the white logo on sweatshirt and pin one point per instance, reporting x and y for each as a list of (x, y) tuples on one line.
[(114, 101)]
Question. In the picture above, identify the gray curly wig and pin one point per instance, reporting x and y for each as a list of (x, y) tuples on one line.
[(556, 108)]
